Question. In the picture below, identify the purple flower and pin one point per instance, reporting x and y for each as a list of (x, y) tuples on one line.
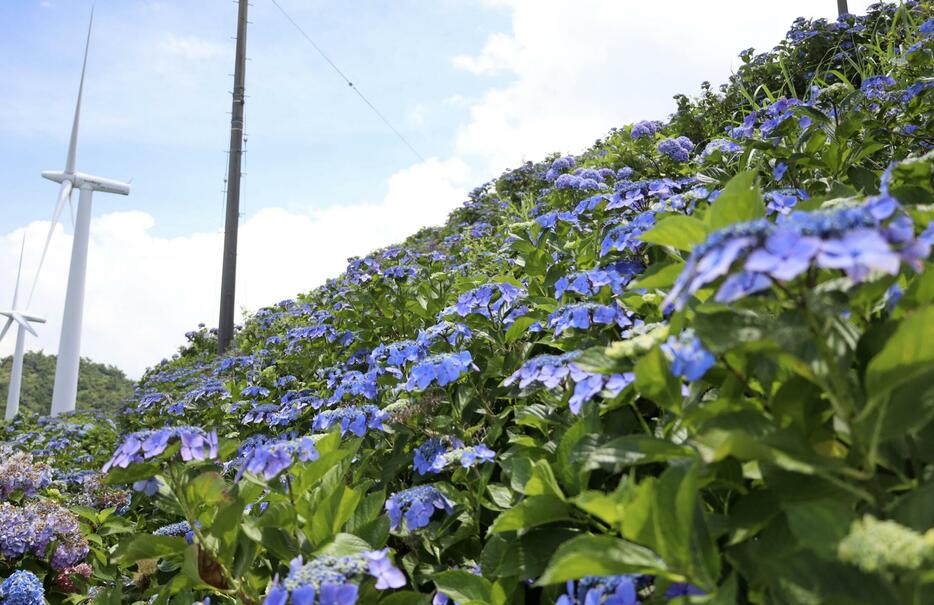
[(592, 590), (678, 149), (356, 419), (381, 568), (778, 173), (442, 369), (724, 147), (785, 255), (196, 444), (645, 128), (22, 588), (271, 458), (689, 359), (416, 505), (857, 253)]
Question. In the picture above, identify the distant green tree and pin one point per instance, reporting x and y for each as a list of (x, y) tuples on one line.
[(100, 387)]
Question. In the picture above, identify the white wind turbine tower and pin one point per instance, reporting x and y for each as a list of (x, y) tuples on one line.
[(69, 347), (21, 319)]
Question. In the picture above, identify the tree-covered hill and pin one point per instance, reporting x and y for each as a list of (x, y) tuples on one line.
[(691, 364), (101, 387)]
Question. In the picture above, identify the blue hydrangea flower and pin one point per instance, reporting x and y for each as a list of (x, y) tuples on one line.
[(196, 444), (355, 384), (597, 590), (441, 369), (553, 371), (683, 589), (425, 454), (271, 458), (40, 528), (625, 237), (334, 580), (558, 166), (778, 173), (416, 506), (783, 201), (590, 283), (493, 300), (22, 588), (679, 149), (582, 315), (689, 359), (725, 147), (645, 128), (857, 253), (255, 391), (356, 419), (874, 87)]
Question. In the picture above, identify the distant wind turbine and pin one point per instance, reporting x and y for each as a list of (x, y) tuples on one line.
[(69, 348), (21, 319)]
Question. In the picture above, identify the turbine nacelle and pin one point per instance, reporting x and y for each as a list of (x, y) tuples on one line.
[(80, 180)]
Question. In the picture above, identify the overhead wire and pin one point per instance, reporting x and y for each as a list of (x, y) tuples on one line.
[(349, 82)]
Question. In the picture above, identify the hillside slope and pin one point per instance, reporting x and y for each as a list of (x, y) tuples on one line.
[(691, 364), (101, 387)]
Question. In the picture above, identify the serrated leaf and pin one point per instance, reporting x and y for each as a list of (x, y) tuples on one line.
[(678, 231)]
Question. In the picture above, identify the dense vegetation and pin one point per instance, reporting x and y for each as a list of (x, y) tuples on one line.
[(691, 364), (100, 387)]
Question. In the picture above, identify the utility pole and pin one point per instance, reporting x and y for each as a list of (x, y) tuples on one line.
[(841, 7), (229, 274)]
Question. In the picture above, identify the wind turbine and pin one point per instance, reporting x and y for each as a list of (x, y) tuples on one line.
[(69, 348), (21, 319)]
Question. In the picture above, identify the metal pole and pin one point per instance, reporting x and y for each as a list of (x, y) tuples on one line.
[(229, 275), (16, 375), (841, 7), (65, 390)]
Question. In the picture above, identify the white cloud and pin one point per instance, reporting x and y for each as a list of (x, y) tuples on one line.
[(145, 291), (583, 67)]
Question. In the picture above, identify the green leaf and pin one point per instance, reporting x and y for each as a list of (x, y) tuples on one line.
[(519, 328), (739, 201), (600, 556), (907, 354), (147, 546), (678, 231), (131, 474), (658, 276), (654, 380), (343, 545), (463, 586), (532, 512), (543, 481), (628, 450)]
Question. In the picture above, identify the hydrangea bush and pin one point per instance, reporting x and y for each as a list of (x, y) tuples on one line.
[(691, 364)]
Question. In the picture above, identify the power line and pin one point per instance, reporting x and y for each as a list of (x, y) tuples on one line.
[(346, 79)]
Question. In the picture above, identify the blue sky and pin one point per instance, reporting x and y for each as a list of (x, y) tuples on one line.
[(476, 85), (157, 99)]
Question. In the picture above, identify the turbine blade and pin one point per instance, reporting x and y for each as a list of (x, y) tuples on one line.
[(63, 197), (19, 271), (71, 213), (24, 322), (73, 143), (6, 328)]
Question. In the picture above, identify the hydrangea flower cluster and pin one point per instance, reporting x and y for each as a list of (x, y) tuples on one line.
[(180, 529), (22, 588), (596, 590), (560, 165), (783, 201), (18, 473), (441, 370), (355, 384), (38, 525), (590, 283), (725, 147), (416, 506), (454, 333), (688, 357), (331, 580), (679, 149), (489, 300), (582, 315), (434, 455), (646, 129), (196, 444), (268, 459), (356, 419), (624, 238), (580, 183), (553, 371), (850, 239)]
